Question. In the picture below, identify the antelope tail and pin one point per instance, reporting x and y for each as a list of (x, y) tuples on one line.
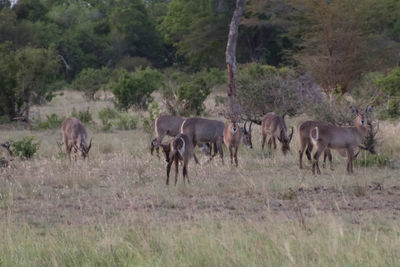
[(314, 135)]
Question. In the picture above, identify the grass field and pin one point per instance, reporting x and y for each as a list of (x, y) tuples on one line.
[(115, 209)]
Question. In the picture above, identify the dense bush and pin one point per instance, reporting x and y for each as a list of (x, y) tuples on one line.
[(52, 122), (84, 116), (390, 85), (90, 80), (127, 122), (133, 90), (185, 94), (106, 116), (263, 88), (25, 148)]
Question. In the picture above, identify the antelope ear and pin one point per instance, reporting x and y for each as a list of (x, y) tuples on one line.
[(369, 109), (353, 109)]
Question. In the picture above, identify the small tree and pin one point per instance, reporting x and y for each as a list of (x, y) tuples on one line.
[(135, 89), (263, 88), (91, 80)]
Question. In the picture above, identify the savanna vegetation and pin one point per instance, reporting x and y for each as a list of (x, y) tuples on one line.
[(117, 65)]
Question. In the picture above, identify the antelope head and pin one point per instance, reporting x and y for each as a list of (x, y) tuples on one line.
[(83, 149), (285, 140), (247, 135), (166, 148)]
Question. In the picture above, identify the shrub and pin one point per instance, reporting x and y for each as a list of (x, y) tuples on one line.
[(106, 115), (84, 116), (127, 122), (89, 81), (135, 89), (52, 122), (369, 160), (25, 148), (263, 88), (185, 94), (390, 85)]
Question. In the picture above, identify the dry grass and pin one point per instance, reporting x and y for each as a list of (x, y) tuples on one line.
[(115, 209)]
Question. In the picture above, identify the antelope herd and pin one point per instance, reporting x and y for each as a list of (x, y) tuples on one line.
[(210, 134)]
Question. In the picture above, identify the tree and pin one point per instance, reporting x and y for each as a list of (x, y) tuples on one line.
[(36, 68), (91, 80), (230, 54), (338, 42)]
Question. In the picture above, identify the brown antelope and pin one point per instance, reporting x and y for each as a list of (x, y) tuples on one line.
[(179, 149), (336, 137), (306, 144), (170, 125), (74, 135), (206, 131), (233, 135), (274, 125)]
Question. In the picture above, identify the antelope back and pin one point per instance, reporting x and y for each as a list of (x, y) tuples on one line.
[(168, 125), (203, 130)]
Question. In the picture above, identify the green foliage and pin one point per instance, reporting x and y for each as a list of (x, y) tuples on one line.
[(390, 86), (185, 94), (106, 116), (369, 160), (25, 148), (84, 116), (262, 89), (133, 90), (52, 122), (91, 80), (127, 122)]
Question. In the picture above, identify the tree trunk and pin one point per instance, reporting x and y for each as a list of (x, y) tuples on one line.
[(231, 57)]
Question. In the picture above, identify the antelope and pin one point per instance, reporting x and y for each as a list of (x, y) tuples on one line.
[(179, 149), (170, 125), (306, 144), (275, 125), (74, 135), (204, 130), (233, 136), (337, 137)]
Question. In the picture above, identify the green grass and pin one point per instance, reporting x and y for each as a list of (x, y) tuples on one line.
[(115, 210)]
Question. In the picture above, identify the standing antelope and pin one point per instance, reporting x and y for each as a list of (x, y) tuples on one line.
[(233, 135), (170, 125), (179, 149), (204, 130), (306, 144), (74, 135), (275, 125), (336, 137)]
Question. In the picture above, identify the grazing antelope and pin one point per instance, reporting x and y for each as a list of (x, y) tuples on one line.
[(274, 125), (336, 137), (233, 135), (74, 135), (306, 144), (170, 125), (206, 131), (165, 125), (179, 149)]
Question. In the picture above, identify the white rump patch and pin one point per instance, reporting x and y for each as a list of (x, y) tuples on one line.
[(182, 149), (155, 127), (182, 127), (314, 139)]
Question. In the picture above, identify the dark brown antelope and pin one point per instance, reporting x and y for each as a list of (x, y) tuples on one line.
[(74, 135), (306, 144), (234, 135), (169, 125), (179, 149), (274, 125), (336, 137), (206, 131)]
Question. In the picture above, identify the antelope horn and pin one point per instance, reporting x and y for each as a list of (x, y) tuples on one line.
[(377, 129), (291, 135), (77, 148), (244, 126), (90, 145), (59, 145), (250, 126)]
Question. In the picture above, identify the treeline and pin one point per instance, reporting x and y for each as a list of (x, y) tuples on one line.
[(176, 45)]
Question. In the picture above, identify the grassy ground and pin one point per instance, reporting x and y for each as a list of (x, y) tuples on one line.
[(115, 209)]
